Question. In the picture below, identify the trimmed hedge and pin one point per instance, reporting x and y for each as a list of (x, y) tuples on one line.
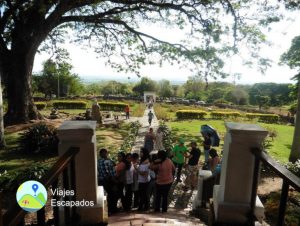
[(198, 114), (222, 115), (67, 104), (190, 114), (40, 105), (111, 106), (268, 118)]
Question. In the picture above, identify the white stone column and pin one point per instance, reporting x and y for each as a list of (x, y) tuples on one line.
[(232, 197), (82, 134), (203, 174)]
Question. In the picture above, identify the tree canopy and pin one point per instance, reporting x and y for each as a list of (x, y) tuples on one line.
[(145, 84), (274, 94), (57, 78), (292, 59), (292, 56), (215, 29)]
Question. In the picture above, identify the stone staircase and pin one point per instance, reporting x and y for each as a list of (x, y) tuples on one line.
[(180, 200), (171, 218)]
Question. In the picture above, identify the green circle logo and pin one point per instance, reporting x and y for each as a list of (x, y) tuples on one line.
[(31, 196)]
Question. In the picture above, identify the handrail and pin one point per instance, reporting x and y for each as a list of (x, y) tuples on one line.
[(15, 214), (283, 172), (1, 217), (289, 179)]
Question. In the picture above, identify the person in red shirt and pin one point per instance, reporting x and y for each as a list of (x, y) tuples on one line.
[(127, 110), (121, 168), (165, 170)]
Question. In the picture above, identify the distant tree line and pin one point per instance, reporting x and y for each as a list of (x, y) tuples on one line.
[(262, 94)]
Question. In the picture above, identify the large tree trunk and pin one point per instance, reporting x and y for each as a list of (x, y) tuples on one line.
[(295, 152), (2, 140), (18, 70)]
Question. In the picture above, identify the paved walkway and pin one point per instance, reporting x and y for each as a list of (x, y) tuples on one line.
[(139, 142), (180, 200)]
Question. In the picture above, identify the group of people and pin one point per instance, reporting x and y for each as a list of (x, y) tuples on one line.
[(144, 180), (154, 140), (134, 178)]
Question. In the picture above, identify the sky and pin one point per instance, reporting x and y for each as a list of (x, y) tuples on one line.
[(89, 67)]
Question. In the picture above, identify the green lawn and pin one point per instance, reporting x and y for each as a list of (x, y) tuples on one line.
[(280, 146), (111, 138), (13, 160)]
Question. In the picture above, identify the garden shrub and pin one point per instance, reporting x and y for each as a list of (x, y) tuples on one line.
[(224, 115), (40, 138), (294, 167), (111, 106), (292, 209), (68, 104), (11, 181), (293, 108), (267, 118), (167, 141), (40, 105), (129, 140), (190, 114), (169, 137)]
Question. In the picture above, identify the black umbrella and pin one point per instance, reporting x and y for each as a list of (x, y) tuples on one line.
[(208, 130)]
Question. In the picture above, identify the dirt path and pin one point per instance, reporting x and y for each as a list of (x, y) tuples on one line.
[(268, 185), (16, 128)]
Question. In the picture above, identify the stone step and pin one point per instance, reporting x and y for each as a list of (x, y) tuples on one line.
[(158, 224), (150, 219), (171, 224)]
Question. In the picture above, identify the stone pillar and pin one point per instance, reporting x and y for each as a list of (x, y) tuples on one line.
[(203, 174), (82, 134), (232, 197)]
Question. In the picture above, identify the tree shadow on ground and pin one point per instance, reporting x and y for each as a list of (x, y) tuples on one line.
[(289, 146), (179, 197)]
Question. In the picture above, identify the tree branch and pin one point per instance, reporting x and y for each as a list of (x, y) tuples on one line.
[(235, 17), (93, 19), (172, 5)]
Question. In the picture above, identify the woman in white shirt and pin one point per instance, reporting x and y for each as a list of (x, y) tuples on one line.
[(143, 179), (159, 140)]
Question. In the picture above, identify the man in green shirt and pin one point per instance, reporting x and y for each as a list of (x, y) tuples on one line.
[(179, 153)]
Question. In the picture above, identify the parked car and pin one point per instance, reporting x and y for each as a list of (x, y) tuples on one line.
[(200, 102)]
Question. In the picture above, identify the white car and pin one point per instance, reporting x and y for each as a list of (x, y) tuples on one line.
[(200, 102)]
